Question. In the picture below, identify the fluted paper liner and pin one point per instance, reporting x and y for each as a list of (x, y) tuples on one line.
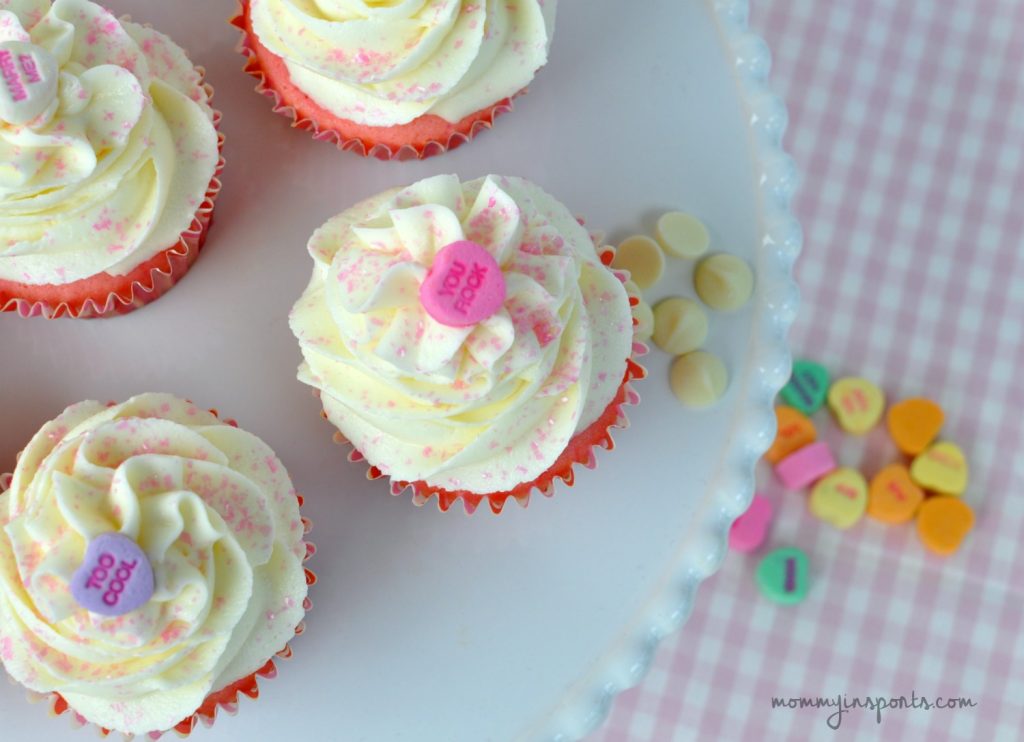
[(146, 282), (226, 699), (456, 135)]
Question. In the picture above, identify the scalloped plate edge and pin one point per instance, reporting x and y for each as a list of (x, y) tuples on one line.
[(700, 557)]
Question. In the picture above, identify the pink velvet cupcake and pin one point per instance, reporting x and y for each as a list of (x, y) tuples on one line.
[(467, 339), (110, 160), (151, 565), (397, 80)]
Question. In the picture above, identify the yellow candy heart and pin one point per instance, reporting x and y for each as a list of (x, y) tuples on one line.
[(857, 404), (840, 498), (941, 468)]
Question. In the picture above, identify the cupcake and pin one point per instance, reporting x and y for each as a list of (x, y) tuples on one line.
[(109, 157), (151, 564), (396, 80), (466, 339)]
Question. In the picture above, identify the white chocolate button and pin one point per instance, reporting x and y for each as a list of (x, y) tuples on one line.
[(682, 235), (28, 81), (642, 257), (698, 379), (680, 325), (724, 282)]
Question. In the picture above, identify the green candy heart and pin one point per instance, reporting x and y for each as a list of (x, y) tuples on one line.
[(782, 575), (807, 387)]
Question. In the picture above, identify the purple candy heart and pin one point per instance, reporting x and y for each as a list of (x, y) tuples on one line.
[(115, 577)]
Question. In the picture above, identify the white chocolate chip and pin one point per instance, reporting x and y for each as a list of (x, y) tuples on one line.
[(642, 257), (724, 282), (682, 235), (699, 379), (680, 325)]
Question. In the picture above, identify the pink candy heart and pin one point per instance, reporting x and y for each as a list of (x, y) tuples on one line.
[(465, 285), (806, 466), (115, 577), (749, 530)]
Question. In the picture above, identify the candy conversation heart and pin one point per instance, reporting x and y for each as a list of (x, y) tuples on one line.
[(893, 497), (28, 81), (807, 387), (914, 424), (840, 498), (794, 431), (465, 285), (942, 468), (783, 575), (748, 531), (943, 523), (115, 577), (806, 466), (857, 404)]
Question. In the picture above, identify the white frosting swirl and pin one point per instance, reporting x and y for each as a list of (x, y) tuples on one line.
[(480, 408), (216, 515), (387, 63), (115, 169)]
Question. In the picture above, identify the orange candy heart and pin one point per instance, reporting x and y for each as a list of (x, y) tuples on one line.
[(914, 424), (893, 497), (795, 430), (943, 522)]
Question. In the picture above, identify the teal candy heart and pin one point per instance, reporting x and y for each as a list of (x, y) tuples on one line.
[(807, 387), (782, 575)]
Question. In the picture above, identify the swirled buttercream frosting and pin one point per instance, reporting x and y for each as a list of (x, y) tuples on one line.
[(388, 63)]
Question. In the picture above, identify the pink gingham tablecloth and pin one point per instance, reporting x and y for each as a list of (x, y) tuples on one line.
[(907, 123)]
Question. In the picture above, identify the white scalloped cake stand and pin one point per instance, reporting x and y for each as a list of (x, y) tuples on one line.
[(438, 627)]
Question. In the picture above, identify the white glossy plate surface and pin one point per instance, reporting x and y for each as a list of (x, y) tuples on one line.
[(431, 626)]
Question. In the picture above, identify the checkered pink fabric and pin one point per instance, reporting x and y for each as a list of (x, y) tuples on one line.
[(907, 121)]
